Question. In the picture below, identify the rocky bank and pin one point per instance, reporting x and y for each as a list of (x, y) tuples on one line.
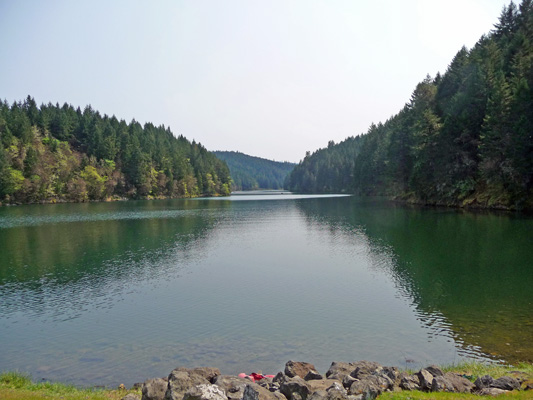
[(360, 380)]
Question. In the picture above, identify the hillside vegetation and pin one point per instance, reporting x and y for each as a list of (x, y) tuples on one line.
[(59, 153), (250, 173), (465, 138)]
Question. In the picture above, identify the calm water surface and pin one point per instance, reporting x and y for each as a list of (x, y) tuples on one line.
[(109, 293)]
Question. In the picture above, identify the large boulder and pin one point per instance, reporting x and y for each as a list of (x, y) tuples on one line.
[(492, 392), (154, 389), (182, 379), (254, 391), (370, 386), (506, 383), (338, 370), (364, 368), (295, 389), (426, 380), (205, 392), (410, 382), (233, 386), (483, 382), (298, 368)]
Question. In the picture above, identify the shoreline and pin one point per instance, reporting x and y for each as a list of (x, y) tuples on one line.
[(359, 380)]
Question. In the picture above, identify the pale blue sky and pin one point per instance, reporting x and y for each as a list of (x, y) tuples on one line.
[(271, 78)]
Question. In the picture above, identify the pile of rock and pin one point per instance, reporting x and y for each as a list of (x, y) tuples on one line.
[(361, 380)]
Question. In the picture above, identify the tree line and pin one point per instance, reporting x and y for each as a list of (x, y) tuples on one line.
[(61, 153), (250, 173), (465, 137)]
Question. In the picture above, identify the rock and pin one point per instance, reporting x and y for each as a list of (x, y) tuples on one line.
[(348, 380), (460, 384), (131, 396), (441, 384), (280, 378), (483, 382), (491, 392), (205, 391), (232, 386), (318, 395), (434, 370), (313, 375), (393, 373), (264, 393), (298, 368), (338, 370), (182, 379), (410, 382), (154, 389), (295, 386), (363, 368), (336, 386), (250, 393), (370, 387), (426, 380), (506, 383)]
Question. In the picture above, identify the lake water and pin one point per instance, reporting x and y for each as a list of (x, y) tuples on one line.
[(109, 293)]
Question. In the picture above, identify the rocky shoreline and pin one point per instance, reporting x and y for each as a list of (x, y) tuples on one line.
[(360, 380)]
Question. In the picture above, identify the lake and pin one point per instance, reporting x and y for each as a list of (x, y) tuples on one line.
[(110, 293)]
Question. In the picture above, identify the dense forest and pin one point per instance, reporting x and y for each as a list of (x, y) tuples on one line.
[(250, 173), (465, 138), (59, 153)]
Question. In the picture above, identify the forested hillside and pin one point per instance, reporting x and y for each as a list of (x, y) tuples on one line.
[(249, 173), (59, 153), (465, 138)]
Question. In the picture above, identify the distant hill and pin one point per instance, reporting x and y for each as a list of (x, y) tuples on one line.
[(249, 173)]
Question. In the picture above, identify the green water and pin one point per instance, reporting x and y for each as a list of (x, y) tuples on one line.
[(110, 293)]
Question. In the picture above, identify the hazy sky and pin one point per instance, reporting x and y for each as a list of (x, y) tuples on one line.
[(270, 78)]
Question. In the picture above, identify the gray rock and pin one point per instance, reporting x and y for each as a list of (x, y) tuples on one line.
[(434, 370), (298, 368), (363, 368), (483, 382), (410, 382), (492, 392), (295, 388), (336, 386), (506, 383), (441, 384), (319, 395), (370, 387), (233, 386), (313, 375), (347, 381), (460, 384), (250, 393), (182, 379), (280, 378), (426, 380), (338, 370), (154, 389), (205, 392), (131, 396), (393, 373)]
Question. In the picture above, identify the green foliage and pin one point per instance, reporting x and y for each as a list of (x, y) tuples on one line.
[(58, 153), (465, 138), (250, 173)]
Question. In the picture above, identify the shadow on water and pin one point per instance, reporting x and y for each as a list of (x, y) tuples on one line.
[(469, 272)]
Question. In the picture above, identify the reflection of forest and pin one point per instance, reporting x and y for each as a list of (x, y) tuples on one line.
[(81, 248), (473, 269)]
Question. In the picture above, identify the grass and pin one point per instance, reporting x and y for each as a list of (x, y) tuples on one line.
[(17, 386)]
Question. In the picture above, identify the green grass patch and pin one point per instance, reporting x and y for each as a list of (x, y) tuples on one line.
[(19, 386)]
